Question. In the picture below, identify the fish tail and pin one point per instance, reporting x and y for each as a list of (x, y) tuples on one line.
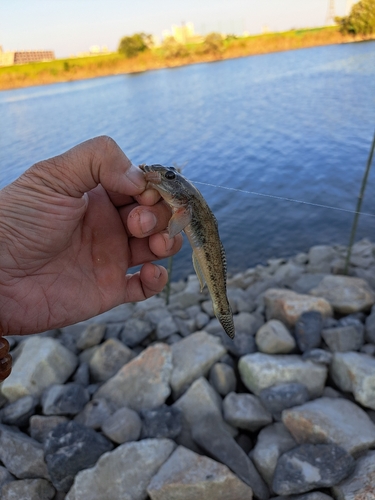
[(226, 321)]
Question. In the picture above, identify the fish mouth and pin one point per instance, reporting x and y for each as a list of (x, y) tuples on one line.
[(150, 175)]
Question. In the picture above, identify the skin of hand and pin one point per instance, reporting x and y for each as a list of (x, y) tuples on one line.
[(70, 227)]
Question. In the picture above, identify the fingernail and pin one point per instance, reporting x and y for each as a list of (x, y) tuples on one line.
[(136, 177), (157, 272), (168, 242), (147, 221)]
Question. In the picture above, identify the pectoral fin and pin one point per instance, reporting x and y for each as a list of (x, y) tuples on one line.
[(179, 220), (198, 271)]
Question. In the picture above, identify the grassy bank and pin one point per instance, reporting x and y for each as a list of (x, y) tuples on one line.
[(63, 70)]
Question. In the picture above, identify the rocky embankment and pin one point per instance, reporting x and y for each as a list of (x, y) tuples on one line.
[(154, 401)]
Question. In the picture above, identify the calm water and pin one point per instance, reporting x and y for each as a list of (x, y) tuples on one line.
[(294, 124)]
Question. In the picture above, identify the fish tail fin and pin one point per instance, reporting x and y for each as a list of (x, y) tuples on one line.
[(226, 321)]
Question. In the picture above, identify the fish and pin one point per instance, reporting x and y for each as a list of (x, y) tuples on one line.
[(191, 214)]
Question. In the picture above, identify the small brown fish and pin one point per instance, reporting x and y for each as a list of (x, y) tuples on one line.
[(192, 215)]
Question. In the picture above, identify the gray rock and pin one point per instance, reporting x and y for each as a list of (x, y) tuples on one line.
[(108, 358), (166, 327), (273, 441), (94, 414), (187, 475), (190, 296), (125, 472), (320, 258), (135, 331), (113, 330), (219, 444), (28, 489), (308, 330), (312, 495), (82, 374), (68, 399), (143, 383), (123, 426), (222, 378), (307, 282), (355, 372), (330, 392), (318, 356), (201, 320), (274, 338), (208, 308), (345, 294), (19, 412), (40, 426), (245, 411), (70, 448), (42, 362), (247, 323), (259, 371), (280, 397), (368, 349), (311, 466), (5, 476), (243, 343), (162, 422), (90, 336), (192, 358), (288, 273), (370, 327), (329, 420), (343, 338), (22, 456), (360, 484)]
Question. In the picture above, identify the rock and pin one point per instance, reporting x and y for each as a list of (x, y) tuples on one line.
[(82, 374), (94, 414), (308, 330), (288, 273), (245, 411), (162, 422), (242, 344), (370, 327), (19, 412), (40, 426), (345, 294), (344, 338), (187, 475), (201, 320), (280, 397), (143, 383), (5, 477), (247, 323), (22, 456), (28, 489), (259, 371), (68, 399), (311, 466), (288, 306), (272, 442), (219, 444), (192, 358), (123, 426), (190, 296), (307, 282), (70, 448), (360, 484), (274, 338), (355, 372), (318, 356), (368, 349), (135, 331), (42, 362), (222, 378), (108, 359), (125, 472), (320, 258), (166, 327), (328, 420), (90, 336)]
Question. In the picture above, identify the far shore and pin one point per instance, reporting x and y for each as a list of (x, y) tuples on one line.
[(64, 70)]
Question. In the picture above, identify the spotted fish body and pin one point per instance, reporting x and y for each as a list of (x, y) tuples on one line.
[(191, 214)]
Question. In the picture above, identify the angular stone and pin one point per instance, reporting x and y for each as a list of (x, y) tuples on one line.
[(187, 475), (68, 399), (162, 422), (166, 327), (123, 426), (328, 420), (5, 477), (345, 294), (245, 411), (21, 455), (280, 397), (125, 472), (370, 327), (288, 306), (273, 441), (192, 358), (320, 258), (343, 338), (311, 466), (42, 362), (355, 372), (19, 412), (135, 331), (274, 338), (318, 356), (94, 414), (82, 374), (360, 485), (41, 426), (108, 359), (259, 371), (28, 489), (90, 336), (70, 448), (222, 378), (308, 330), (143, 383), (242, 344), (307, 282)]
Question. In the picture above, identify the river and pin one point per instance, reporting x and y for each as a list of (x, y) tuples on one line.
[(295, 125)]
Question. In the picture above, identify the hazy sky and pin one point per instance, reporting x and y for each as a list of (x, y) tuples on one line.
[(71, 26)]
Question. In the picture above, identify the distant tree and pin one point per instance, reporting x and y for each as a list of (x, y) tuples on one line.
[(130, 46), (213, 43), (173, 49), (360, 21)]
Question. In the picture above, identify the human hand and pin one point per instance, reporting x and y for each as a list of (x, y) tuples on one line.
[(70, 227)]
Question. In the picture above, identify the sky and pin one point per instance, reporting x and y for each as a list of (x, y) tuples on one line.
[(72, 26)]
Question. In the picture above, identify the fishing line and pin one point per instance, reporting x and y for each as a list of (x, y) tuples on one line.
[(286, 199)]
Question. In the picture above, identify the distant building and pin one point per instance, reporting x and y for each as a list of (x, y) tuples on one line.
[(182, 34), (6, 58), (25, 56)]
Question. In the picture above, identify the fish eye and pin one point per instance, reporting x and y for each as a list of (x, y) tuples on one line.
[(170, 175)]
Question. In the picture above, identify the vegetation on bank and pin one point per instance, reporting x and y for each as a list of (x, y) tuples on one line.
[(360, 21), (136, 54)]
